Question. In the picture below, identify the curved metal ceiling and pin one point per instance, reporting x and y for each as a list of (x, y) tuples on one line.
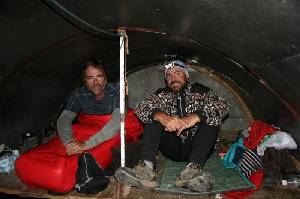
[(255, 44)]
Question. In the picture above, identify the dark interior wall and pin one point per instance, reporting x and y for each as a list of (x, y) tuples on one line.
[(31, 98), (27, 28), (250, 42)]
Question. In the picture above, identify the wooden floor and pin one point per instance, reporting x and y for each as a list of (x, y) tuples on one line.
[(11, 184)]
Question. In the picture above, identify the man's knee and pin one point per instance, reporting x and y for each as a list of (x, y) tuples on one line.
[(207, 128), (154, 125)]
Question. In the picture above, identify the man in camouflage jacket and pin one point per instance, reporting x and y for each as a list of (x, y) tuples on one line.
[(182, 121)]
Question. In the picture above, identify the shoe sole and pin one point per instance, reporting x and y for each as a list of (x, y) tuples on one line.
[(194, 185), (182, 184), (126, 178), (197, 186)]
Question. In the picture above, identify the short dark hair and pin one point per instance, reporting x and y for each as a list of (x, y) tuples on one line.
[(95, 63)]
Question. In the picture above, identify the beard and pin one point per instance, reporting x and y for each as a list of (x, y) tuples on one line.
[(176, 86), (96, 90)]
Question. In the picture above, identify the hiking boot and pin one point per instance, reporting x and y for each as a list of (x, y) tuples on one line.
[(193, 178), (141, 176), (202, 183)]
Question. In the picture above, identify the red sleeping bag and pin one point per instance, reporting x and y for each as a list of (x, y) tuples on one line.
[(49, 166)]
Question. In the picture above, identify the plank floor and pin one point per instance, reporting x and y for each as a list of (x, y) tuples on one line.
[(11, 184)]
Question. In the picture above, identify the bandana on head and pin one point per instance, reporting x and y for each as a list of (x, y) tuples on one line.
[(179, 64)]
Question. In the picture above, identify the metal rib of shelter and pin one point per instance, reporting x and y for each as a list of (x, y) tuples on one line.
[(122, 95)]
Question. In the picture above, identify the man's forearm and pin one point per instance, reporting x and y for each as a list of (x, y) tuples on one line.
[(64, 126), (146, 109), (108, 131), (214, 111)]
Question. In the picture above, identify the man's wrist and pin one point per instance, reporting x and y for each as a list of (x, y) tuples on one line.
[(68, 142), (157, 116), (160, 117), (201, 116), (195, 118)]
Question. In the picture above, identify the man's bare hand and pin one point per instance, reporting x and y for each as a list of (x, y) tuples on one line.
[(76, 148), (174, 124), (188, 121), (171, 123)]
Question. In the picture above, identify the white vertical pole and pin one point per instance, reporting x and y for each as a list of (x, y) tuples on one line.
[(122, 96)]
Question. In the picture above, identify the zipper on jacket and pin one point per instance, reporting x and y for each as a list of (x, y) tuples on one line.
[(180, 105)]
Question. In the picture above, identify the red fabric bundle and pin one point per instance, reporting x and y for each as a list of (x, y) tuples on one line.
[(256, 178), (257, 131), (49, 166)]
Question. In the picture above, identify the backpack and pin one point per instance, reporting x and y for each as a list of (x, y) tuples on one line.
[(90, 177), (240, 157), (228, 159)]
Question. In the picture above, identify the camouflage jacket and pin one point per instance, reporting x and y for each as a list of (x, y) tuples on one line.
[(193, 99)]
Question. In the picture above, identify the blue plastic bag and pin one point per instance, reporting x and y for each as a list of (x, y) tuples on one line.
[(7, 160)]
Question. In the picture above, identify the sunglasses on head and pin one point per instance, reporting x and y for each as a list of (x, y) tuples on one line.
[(172, 64)]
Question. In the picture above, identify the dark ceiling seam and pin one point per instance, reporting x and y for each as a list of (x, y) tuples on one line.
[(79, 23), (284, 59)]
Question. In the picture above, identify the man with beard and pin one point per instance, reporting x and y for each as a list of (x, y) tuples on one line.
[(182, 121), (95, 97)]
